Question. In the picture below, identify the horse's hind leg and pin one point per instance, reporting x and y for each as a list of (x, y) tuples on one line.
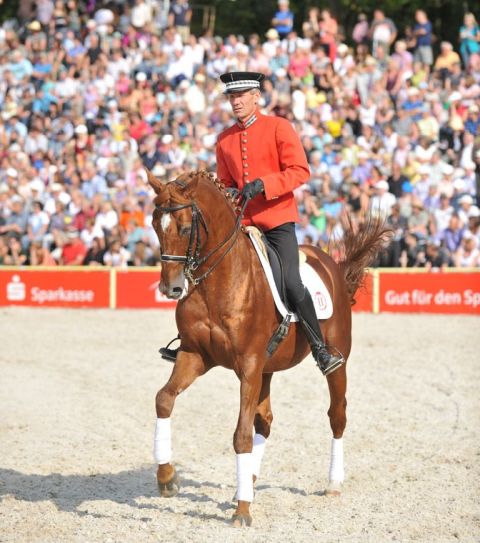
[(337, 384), (262, 423), (187, 368)]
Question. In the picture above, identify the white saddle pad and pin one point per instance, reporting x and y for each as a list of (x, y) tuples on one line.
[(319, 292)]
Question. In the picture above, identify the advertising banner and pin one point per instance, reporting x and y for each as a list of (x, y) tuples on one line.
[(399, 292), (430, 292), (54, 288), (364, 296), (139, 289)]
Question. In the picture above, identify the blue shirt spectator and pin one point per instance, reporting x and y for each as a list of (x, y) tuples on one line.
[(283, 19)]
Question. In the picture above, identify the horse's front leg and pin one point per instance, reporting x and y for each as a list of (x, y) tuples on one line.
[(188, 367), (337, 384), (250, 376)]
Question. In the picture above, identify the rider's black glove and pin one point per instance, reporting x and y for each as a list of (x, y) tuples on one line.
[(250, 190)]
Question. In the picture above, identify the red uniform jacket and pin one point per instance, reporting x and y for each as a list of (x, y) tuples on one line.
[(269, 149)]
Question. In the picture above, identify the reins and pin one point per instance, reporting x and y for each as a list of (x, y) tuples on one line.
[(192, 259)]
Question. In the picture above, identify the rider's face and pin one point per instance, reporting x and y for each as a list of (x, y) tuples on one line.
[(243, 103)]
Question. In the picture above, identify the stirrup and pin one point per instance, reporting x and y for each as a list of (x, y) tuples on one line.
[(169, 354), (336, 360)]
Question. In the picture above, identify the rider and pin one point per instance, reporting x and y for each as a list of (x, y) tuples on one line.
[(263, 157)]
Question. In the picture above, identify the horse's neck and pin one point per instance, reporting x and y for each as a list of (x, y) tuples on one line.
[(235, 269)]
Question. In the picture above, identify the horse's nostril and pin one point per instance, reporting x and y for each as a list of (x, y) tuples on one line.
[(177, 290)]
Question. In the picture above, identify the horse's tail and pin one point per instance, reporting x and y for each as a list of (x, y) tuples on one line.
[(359, 248)]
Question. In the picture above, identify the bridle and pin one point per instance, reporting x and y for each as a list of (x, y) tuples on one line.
[(192, 259)]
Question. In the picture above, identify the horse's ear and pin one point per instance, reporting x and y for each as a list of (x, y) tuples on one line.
[(157, 185)]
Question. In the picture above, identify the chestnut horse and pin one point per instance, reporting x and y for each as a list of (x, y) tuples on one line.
[(226, 316)]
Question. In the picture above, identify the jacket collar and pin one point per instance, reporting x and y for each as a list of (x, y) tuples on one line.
[(252, 119)]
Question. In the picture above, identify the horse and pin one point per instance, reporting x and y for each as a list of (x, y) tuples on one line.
[(226, 315)]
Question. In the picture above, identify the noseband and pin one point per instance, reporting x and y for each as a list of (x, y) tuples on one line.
[(192, 259)]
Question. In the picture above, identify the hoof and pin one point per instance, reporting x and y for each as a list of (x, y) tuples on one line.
[(241, 520), (334, 488), (170, 489)]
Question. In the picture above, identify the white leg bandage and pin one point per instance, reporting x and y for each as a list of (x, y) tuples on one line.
[(257, 453), (162, 443), (244, 477), (336, 461)]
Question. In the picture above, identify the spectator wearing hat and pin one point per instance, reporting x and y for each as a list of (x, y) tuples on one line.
[(418, 221), (472, 122), (382, 201), (74, 250), (413, 104), (465, 207), (172, 157), (36, 41), (272, 44)]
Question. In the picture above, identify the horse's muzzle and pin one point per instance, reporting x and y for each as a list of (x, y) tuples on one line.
[(176, 289)]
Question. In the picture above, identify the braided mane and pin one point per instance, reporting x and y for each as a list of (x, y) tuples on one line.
[(216, 182)]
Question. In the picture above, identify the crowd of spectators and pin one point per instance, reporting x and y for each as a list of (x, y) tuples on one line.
[(92, 92)]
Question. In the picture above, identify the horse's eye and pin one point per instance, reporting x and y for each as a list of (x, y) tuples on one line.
[(185, 230)]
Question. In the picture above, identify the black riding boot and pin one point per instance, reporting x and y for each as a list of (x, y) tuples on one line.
[(327, 362), (169, 354)]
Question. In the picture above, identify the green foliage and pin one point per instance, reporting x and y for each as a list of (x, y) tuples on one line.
[(8, 9), (248, 16)]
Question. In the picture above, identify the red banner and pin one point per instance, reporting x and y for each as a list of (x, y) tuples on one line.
[(139, 289), (430, 292), (55, 288), (443, 292), (364, 296)]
